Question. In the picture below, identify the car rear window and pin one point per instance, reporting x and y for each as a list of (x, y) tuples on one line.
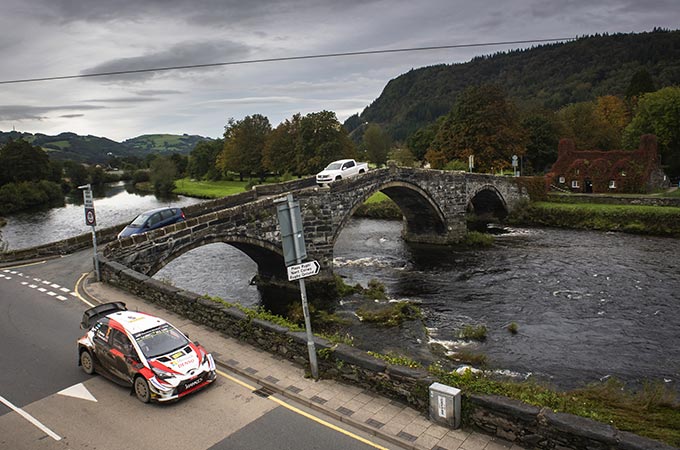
[(167, 213)]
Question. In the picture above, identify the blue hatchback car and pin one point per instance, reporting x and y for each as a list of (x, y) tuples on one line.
[(150, 220)]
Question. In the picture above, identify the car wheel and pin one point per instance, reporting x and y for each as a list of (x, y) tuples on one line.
[(338, 178), (142, 390), (86, 362)]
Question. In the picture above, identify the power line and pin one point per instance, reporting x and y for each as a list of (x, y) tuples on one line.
[(286, 58)]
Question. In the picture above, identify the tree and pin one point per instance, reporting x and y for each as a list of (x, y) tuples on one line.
[(640, 83), (279, 154), (594, 125), (76, 173), (483, 123), (20, 161), (181, 162), (202, 159), (542, 138), (659, 113), (377, 144), (244, 143), (421, 140), (162, 176), (322, 140)]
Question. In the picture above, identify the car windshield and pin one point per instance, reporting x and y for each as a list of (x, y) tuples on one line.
[(333, 166), (139, 220), (160, 340)]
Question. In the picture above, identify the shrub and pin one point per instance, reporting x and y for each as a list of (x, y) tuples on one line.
[(474, 332)]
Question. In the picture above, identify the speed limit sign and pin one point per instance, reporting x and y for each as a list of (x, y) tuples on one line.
[(90, 218)]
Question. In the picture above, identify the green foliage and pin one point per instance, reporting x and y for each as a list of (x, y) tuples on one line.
[(244, 143), (258, 313), (375, 290), (456, 164), (658, 113), (376, 144), (548, 76), (389, 314), (29, 194), (630, 218), (162, 176), (513, 328), (202, 159), (21, 161), (473, 332), (640, 83), (542, 138), (397, 360), (483, 123), (402, 156), (383, 209), (477, 239)]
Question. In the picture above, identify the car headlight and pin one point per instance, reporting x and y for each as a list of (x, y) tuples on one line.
[(162, 374)]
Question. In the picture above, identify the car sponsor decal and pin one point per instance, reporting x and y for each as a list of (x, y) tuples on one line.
[(163, 367)]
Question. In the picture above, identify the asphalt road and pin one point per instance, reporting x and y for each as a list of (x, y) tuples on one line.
[(47, 402)]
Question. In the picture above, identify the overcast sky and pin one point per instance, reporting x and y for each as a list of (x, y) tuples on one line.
[(51, 38)]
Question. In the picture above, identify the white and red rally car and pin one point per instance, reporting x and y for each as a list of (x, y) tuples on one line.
[(143, 352)]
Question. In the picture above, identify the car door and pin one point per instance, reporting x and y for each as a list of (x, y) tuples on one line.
[(101, 346), (154, 221), (120, 352)]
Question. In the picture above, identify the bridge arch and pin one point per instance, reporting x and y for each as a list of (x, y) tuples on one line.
[(422, 215), (268, 257), (487, 202)]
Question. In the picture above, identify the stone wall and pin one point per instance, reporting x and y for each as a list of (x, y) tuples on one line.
[(512, 420), (614, 199)]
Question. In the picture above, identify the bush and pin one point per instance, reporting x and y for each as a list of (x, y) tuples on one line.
[(29, 194)]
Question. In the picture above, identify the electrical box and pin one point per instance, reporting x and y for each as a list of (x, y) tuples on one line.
[(445, 405)]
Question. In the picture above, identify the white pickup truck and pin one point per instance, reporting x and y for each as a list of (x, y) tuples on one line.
[(337, 170)]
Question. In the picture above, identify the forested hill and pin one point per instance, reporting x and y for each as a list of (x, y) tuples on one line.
[(551, 75), (93, 149)]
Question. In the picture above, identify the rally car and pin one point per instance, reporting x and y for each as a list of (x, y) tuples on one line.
[(143, 352)]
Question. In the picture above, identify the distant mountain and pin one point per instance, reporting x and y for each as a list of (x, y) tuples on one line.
[(550, 76), (93, 149)]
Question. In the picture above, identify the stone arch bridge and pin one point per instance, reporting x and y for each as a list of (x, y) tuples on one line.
[(433, 204)]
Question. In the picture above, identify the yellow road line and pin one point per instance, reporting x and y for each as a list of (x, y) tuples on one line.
[(80, 280), (306, 414)]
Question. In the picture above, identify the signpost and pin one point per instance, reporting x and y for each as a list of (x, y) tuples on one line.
[(471, 162), (293, 242), (91, 220), (514, 165)]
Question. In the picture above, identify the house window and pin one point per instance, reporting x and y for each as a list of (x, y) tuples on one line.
[(612, 184), (574, 184), (623, 173), (578, 171), (562, 180)]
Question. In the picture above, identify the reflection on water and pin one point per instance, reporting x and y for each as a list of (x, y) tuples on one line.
[(119, 204)]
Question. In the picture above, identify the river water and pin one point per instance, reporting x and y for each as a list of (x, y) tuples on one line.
[(588, 305)]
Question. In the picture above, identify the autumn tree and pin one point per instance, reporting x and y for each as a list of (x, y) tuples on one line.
[(376, 144), (280, 150), (659, 113), (594, 125), (244, 143), (322, 140), (483, 123)]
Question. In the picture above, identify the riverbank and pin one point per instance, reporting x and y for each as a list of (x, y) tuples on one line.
[(631, 218)]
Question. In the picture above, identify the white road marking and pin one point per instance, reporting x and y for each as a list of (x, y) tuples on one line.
[(51, 294), (31, 419), (64, 289), (37, 279), (42, 289), (55, 286), (45, 282), (32, 286), (61, 297), (13, 272), (25, 283), (78, 391)]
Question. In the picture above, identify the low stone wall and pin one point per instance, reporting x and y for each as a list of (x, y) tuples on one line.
[(510, 419), (614, 200)]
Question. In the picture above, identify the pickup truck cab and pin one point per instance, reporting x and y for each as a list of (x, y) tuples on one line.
[(337, 170)]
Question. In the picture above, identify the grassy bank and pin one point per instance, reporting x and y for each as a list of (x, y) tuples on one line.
[(208, 189), (637, 219)]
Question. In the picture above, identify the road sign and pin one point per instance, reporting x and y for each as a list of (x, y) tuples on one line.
[(304, 270), (292, 239), (90, 218)]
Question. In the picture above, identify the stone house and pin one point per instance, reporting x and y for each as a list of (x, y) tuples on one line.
[(614, 171)]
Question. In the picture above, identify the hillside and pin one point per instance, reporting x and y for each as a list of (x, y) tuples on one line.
[(93, 149), (551, 75)]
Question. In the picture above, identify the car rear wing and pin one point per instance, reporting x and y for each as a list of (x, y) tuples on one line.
[(91, 315)]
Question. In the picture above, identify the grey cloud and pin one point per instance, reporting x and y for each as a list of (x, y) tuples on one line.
[(25, 112), (152, 92), (184, 54), (71, 116), (124, 100)]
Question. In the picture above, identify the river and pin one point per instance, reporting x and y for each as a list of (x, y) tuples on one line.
[(588, 305)]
